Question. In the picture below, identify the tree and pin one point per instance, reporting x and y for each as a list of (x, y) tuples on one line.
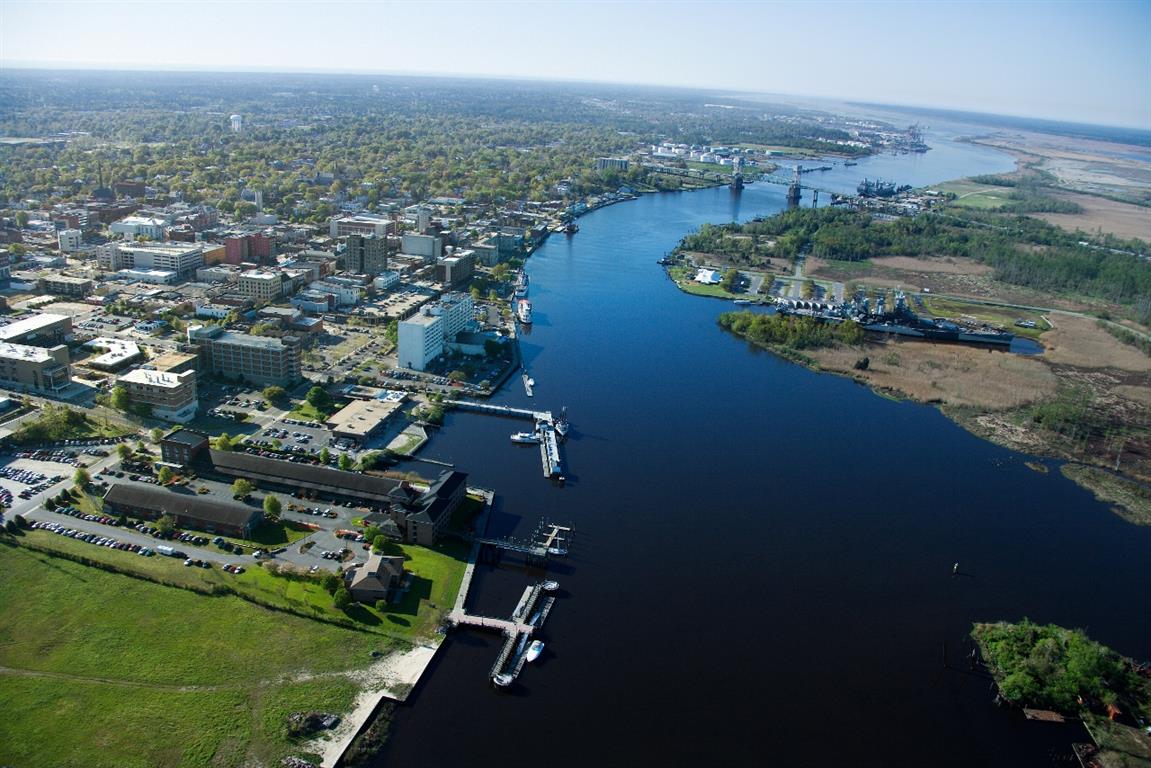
[(325, 455), (457, 376), (242, 488), (165, 475), (272, 507), (342, 598), (224, 443), (274, 394), (157, 434), (344, 462), (319, 399), (500, 273), (124, 451), (371, 532), (82, 479), (21, 219), (166, 524), (730, 279), (119, 398), (331, 582)]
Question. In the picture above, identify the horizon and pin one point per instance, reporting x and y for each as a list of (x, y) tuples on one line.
[(1066, 61), (779, 96)]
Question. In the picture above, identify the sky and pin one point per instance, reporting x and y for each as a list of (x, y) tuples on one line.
[(1084, 62)]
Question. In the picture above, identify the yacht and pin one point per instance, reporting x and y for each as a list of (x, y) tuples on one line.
[(526, 437), (524, 311), (562, 424), (534, 650)]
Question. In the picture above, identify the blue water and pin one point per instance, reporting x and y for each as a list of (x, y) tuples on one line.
[(762, 564)]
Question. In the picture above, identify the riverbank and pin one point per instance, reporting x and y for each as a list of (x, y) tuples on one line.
[(1006, 398)]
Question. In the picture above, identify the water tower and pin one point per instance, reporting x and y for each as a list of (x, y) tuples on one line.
[(237, 123)]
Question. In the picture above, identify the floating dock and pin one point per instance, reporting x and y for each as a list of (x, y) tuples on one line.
[(545, 421), (516, 630), (550, 451)]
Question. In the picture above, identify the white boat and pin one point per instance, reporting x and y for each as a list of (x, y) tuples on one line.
[(534, 650), (524, 311), (550, 586), (526, 437), (503, 680)]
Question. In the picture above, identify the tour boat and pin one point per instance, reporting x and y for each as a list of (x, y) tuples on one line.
[(562, 425), (524, 311)]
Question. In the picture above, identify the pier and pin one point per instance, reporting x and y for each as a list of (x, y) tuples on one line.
[(516, 630), (548, 540), (545, 421)]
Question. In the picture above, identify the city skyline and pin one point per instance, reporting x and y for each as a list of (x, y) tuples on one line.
[(1061, 61)]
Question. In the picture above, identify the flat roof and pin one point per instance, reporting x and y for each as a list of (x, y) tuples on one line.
[(29, 325), (185, 437), (156, 378), (119, 351), (362, 417), (421, 320), (247, 340), (24, 352)]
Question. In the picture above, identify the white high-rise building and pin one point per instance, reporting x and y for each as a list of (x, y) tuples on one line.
[(237, 123), (70, 240), (420, 340)]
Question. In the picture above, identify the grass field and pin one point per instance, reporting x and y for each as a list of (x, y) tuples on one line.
[(108, 670), (437, 575), (1005, 316), (971, 195), (306, 412)]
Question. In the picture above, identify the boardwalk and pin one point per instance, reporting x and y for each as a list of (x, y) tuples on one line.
[(503, 410)]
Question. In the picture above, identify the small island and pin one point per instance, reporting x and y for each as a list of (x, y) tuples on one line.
[(1053, 673)]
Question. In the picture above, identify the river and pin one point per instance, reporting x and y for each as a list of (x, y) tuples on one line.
[(762, 567)]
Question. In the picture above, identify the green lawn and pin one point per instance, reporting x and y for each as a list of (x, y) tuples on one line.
[(142, 674), (437, 576), (307, 412), (972, 195)]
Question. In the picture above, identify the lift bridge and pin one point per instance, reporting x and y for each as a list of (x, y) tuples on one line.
[(547, 540)]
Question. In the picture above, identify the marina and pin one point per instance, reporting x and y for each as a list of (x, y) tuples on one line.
[(548, 433)]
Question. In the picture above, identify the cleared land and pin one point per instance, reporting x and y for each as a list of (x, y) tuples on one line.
[(1122, 219)]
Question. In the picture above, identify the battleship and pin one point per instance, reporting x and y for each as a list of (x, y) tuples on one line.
[(899, 321), (880, 188)]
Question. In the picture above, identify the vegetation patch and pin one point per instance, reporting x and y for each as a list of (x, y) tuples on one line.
[(1131, 498), (794, 333), (1049, 667), (57, 422)]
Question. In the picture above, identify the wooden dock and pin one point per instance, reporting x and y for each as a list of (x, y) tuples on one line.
[(516, 630), (503, 410)]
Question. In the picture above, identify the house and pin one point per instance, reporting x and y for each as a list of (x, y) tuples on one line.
[(375, 579)]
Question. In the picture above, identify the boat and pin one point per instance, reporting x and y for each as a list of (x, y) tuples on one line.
[(562, 425), (527, 438), (571, 228), (524, 311), (849, 163), (534, 650), (521, 285), (529, 382), (503, 680), (549, 585), (742, 302)]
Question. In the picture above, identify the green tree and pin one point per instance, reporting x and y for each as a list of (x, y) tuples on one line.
[(325, 455), (165, 475), (342, 598), (457, 376), (319, 399), (82, 479), (272, 507), (119, 398), (331, 582), (166, 524), (242, 488), (156, 434), (224, 443), (371, 532), (124, 451), (344, 462), (274, 394), (730, 279), (500, 273)]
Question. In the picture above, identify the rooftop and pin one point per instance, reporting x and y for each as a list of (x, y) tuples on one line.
[(156, 378), (24, 352), (118, 351), (184, 505), (29, 325), (247, 340), (362, 417)]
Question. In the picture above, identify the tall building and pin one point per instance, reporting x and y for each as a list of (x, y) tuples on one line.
[(420, 340), (181, 258), (366, 255), (457, 310), (429, 247), (258, 359), (34, 369), (237, 122), (261, 286), (70, 240), (361, 224), (172, 396)]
